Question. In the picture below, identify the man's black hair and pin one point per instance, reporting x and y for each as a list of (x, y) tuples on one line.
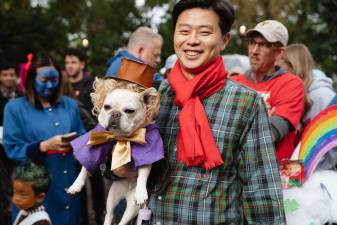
[(7, 66), (222, 8), (79, 53), (37, 175)]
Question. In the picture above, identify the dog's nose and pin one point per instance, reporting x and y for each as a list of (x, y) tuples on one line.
[(115, 119), (116, 114)]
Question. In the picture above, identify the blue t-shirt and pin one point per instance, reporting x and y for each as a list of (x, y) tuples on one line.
[(115, 63)]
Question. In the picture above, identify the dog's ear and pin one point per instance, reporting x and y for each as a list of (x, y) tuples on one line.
[(151, 99)]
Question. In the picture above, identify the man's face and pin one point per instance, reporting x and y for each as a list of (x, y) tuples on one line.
[(73, 65), (151, 54), (8, 78), (24, 196), (197, 38), (262, 55)]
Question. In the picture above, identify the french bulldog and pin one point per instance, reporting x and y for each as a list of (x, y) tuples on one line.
[(122, 109)]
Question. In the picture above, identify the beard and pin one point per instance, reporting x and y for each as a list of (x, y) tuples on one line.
[(74, 73)]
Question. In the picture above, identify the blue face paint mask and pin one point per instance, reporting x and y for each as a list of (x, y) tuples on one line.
[(46, 82)]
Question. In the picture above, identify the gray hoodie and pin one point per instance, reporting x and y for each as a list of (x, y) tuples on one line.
[(321, 93)]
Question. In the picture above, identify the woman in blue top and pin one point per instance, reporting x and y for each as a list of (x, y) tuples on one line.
[(33, 129)]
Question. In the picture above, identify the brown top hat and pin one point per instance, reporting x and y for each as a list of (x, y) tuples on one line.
[(136, 72)]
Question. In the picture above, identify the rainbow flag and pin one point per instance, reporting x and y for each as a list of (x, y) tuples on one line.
[(319, 137)]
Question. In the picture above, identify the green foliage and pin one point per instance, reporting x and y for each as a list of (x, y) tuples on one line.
[(308, 21), (107, 24)]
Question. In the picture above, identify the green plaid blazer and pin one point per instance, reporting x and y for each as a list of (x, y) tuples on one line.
[(246, 189)]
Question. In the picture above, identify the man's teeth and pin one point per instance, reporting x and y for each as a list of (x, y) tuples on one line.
[(191, 53)]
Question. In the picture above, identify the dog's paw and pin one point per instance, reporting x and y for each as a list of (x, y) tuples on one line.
[(75, 188), (141, 195)]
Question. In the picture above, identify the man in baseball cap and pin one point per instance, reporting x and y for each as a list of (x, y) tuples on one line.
[(282, 92), (272, 30)]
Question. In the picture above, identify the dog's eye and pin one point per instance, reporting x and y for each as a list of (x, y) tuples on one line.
[(107, 107), (129, 111)]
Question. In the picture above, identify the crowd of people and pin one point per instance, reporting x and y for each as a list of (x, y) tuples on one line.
[(225, 133)]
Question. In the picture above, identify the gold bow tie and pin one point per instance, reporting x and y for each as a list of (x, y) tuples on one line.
[(121, 153)]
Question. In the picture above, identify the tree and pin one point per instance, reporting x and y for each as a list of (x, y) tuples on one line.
[(26, 29), (310, 22), (107, 24), (29, 28)]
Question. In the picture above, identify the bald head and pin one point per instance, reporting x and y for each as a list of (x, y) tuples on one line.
[(145, 44)]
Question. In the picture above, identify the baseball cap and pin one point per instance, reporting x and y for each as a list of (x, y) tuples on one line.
[(272, 30)]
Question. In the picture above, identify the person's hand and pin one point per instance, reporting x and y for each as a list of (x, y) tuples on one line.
[(55, 143)]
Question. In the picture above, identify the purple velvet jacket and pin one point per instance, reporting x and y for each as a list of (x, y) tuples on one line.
[(91, 156)]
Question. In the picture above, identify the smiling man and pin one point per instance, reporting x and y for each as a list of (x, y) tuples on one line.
[(8, 81), (282, 92), (216, 132)]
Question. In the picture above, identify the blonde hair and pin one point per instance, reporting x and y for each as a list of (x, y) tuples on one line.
[(102, 87), (299, 59)]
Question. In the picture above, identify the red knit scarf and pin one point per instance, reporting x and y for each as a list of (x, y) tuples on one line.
[(196, 144)]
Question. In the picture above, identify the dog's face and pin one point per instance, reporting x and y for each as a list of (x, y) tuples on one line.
[(124, 111)]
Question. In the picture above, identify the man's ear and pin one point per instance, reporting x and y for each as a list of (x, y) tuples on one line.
[(225, 40), (151, 99), (280, 55), (139, 52), (82, 65), (40, 197), (282, 52)]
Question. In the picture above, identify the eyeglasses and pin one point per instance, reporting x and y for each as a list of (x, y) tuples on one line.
[(263, 45)]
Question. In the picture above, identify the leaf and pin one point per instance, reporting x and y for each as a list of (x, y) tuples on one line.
[(290, 205)]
